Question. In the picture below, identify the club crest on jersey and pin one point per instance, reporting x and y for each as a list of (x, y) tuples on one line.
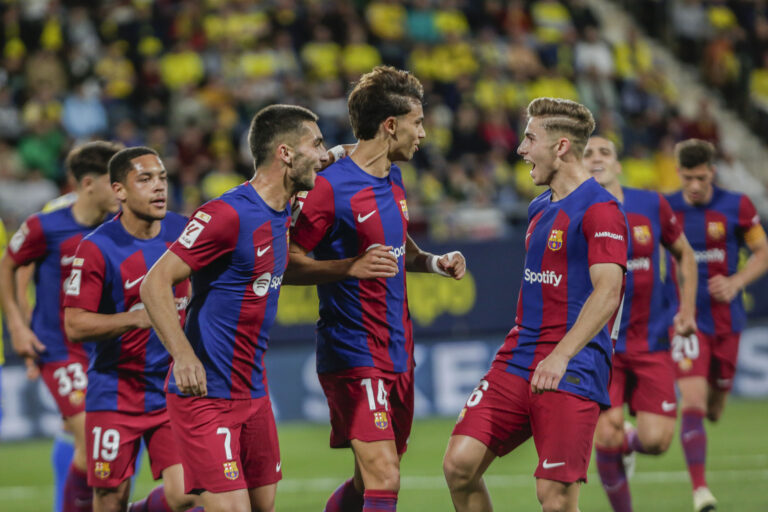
[(230, 470), (716, 230), (102, 470), (404, 207), (642, 234), (380, 420), (555, 241)]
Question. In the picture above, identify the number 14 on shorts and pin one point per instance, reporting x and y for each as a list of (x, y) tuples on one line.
[(381, 394)]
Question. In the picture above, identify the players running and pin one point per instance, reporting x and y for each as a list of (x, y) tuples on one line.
[(717, 223), (643, 373), (236, 247), (49, 240), (550, 378), (356, 223), (125, 401)]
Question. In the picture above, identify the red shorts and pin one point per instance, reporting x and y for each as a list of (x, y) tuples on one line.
[(67, 381), (369, 404), (113, 439), (225, 444), (710, 356), (644, 381), (503, 412)]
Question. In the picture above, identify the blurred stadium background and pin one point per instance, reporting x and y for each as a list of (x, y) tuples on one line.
[(185, 77)]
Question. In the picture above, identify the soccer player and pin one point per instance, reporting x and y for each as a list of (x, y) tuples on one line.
[(356, 222), (237, 248), (125, 401), (643, 373), (550, 378), (49, 240), (717, 223)]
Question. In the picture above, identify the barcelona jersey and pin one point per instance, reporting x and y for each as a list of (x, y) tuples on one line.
[(126, 373), (564, 239), (363, 323), (716, 232), (645, 314), (237, 247)]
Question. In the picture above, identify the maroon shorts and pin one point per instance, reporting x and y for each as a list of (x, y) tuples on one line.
[(113, 439), (67, 381), (225, 444), (644, 381), (503, 412), (369, 404), (710, 356)]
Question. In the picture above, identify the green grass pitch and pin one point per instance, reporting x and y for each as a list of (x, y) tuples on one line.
[(737, 471)]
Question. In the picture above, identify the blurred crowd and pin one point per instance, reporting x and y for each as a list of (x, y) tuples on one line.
[(185, 77)]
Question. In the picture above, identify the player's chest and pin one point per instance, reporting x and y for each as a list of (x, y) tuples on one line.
[(376, 217), (551, 234), (707, 229), (262, 247), (644, 235), (128, 268)]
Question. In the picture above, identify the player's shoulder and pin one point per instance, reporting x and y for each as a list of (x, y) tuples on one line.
[(539, 203), (725, 197), (675, 200), (636, 199), (60, 202), (52, 221), (175, 220)]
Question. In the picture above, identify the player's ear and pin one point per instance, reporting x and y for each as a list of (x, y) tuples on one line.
[(563, 146), (284, 154), (119, 190), (390, 125)]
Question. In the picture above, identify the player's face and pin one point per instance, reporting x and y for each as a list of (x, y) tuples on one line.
[(408, 133), (145, 190), (101, 190), (600, 160), (697, 183), (538, 149), (311, 156)]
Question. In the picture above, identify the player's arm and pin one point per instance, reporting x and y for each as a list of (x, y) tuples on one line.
[(82, 325), (451, 264), (157, 296), (725, 288), (23, 278), (305, 270), (607, 279), (687, 278)]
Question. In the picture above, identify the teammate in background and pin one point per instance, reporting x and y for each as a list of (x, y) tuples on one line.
[(3, 244), (717, 223), (237, 248), (49, 240), (125, 401), (550, 378), (356, 222), (643, 373)]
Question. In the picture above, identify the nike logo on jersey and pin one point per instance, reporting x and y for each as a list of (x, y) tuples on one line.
[(668, 406), (361, 218), (550, 465), (67, 260), (131, 284), (261, 251), (277, 468)]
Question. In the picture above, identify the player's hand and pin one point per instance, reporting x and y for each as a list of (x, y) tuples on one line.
[(549, 372), (25, 343), (189, 374), (336, 153), (374, 263), (453, 264), (685, 323), (723, 288), (33, 371), (141, 319)]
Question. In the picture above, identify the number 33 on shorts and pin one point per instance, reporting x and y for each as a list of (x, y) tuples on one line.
[(474, 398)]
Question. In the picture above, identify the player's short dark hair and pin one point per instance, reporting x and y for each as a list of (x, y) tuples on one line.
[(567, 118), (120, 164), (379, 94), (91, 158), (694, 152), (273, 122)]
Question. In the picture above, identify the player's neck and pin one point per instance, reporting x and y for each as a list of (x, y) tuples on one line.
[(567, 179), (707, 198), (616, 190), (139, 228), (86, 213), (372, 157), (273, 192)]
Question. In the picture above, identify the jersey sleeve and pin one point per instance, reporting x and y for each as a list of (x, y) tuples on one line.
[(86, 282), (210, 233), (605, 230), (313, 215), (670, 227), (28, 243), (749, 222)]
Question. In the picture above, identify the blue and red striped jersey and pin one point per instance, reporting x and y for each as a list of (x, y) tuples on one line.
[(50, 240), (237, 247), (564, 239), (645, 315), (127, 373), (363, 323), (716, 232)]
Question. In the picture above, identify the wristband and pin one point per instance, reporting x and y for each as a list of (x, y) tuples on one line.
[(338, 152), (433, 266)]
